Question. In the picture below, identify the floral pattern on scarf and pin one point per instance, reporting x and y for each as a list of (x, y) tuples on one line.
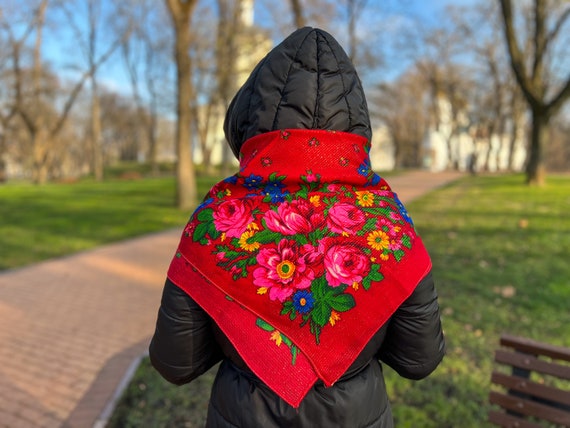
[(308, 244)]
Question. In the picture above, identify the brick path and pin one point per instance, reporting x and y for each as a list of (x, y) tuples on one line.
[(70, 328)]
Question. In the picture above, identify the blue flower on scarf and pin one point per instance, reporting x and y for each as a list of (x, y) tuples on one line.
[(204, 204), (253, 181), (303, 301), (274, 189), (403, 210), (364, 168), (375, 179), (231, 179)]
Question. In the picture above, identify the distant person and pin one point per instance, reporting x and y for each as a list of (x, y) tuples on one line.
[(472, 163), (303, 270)]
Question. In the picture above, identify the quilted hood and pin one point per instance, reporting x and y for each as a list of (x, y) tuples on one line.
[(306, 82)]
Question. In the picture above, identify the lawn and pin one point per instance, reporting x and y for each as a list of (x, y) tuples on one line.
[(500, 252), (41, 222)]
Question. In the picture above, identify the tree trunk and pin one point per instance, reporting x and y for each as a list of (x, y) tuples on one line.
[(186, 180), (152, 144), (298, 13), (181, 11), (535, 169), (532, 82), (39, 152), (95, 137)]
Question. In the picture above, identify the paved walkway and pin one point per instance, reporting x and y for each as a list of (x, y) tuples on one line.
[(71, 328)]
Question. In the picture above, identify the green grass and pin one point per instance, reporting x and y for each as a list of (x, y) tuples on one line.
[(500, 252), (41, 222)]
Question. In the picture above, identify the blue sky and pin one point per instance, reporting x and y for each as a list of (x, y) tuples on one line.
[(380, 22)]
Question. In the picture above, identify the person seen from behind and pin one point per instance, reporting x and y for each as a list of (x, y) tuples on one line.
[(303, 272)]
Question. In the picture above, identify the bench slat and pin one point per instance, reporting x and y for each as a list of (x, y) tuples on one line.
[(531, 388), (529, 362), (507, 421), (530, 408), (530, 346)]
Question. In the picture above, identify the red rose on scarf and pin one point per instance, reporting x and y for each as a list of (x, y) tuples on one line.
[(298, 216), (345, 217), (232, 217), (345, 263), (283, 269)]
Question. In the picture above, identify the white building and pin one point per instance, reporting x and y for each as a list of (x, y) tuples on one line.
[(442, 150)]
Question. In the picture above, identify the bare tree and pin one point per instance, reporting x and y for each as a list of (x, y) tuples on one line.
[(316, 13), (33, 90), (354, 9), (298, 16), (119, 122), (7, 109), (90, 41), (400, 108), (144, 54), (533, 76), (230, 32), (181, 13)]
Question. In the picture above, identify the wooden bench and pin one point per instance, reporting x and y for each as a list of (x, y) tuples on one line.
[(536, 390)]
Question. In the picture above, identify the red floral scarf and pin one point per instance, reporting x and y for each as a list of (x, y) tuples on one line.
[(300, 257)]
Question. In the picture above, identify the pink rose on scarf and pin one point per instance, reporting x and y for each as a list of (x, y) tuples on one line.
[(345, 217), (345, 263), (298, 216), (283, 269), (232, 217)]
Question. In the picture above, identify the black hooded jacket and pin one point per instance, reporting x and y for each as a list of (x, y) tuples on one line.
[(306, 82)]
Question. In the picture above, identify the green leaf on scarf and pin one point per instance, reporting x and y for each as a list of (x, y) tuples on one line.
[(375, 274), (370, 225), (289, 308), (294, 353), (286, 340), (321, 313), (232, 255), (406, 241), (267, 236), (398, 254), (212, 231), (303, 193), (318, 287), (341, 303), (378, 211), (265, 326), (274, 177), (200, 232), (206, 215), (316, 235), (316, 331), (330, 201)]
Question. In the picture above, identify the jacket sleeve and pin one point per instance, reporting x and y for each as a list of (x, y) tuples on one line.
[(183, 346), (414, 344)]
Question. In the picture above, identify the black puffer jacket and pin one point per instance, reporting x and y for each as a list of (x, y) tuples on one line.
[(305, 82)]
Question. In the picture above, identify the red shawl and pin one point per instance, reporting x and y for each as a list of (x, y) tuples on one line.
[(300, 257)]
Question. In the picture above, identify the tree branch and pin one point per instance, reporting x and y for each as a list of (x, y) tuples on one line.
[(515, 54), (556, 103)]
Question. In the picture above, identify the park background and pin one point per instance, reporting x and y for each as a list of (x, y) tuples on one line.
[(109, 132)]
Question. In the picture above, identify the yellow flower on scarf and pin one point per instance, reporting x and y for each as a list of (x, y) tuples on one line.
[(365, 198), (378, 240), (276, 337), (335, 316), (248, 246)]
